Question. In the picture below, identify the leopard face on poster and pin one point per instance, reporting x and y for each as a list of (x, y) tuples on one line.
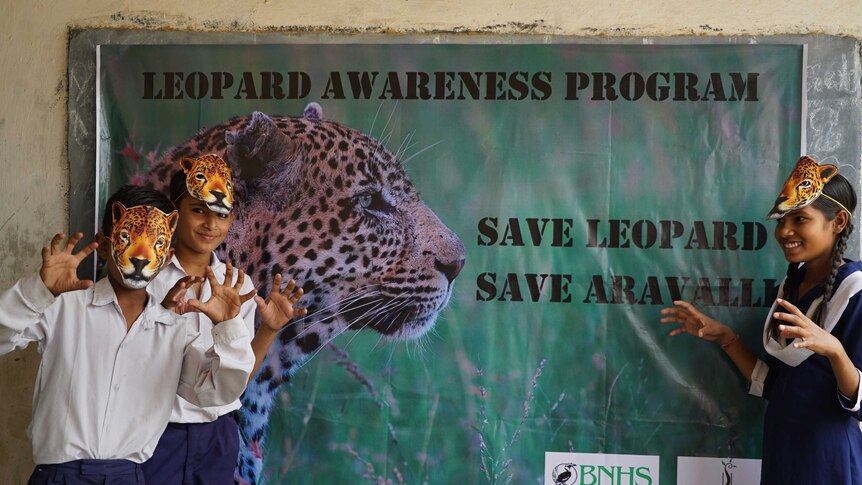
[(485, 235)]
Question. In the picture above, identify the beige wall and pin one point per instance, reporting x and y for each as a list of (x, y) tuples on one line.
[(34, 185)]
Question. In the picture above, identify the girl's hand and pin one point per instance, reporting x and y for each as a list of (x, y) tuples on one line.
[(60, 264), (278, 308), (175, 299), (226, 300), (696, 323), (808, 334)]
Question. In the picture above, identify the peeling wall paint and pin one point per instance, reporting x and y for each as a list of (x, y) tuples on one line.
[(33, 117)]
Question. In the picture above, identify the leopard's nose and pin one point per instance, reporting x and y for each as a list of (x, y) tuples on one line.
[(451, 269), (139, 264)]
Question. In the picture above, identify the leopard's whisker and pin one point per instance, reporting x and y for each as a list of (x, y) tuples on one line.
[(341, 312), (405, 145), (411, 157), (383, 133), (380, 312), (354, 295), (333, 315), (341, 331), (374, 121)]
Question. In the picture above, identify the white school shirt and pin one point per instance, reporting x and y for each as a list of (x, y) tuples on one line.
[(103, 392), (184, 411)]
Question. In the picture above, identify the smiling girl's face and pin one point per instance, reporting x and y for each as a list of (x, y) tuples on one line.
[(200, 229), (805, 235)]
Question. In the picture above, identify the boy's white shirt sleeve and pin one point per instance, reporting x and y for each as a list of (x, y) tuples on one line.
[(21, 314), (758, 378), (218, 376)]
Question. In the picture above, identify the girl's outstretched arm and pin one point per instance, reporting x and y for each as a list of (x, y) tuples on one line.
[(696, 323)]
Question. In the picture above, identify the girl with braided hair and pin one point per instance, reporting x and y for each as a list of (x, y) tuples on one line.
[(812, 337)]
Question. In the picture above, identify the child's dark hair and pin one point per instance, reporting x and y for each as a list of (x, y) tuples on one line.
[(132, 195), (178, 187), (840, 189)]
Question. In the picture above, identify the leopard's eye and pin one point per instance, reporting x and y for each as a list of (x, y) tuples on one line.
[(374, 202)]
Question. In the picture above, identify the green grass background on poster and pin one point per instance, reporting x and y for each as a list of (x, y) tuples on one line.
[(610, 379)]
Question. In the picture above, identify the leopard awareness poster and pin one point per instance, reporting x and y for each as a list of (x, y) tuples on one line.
[(486, 234)]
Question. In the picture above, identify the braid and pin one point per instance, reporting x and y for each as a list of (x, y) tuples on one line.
[(837, 260)]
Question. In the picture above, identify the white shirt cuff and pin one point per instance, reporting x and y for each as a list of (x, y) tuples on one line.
[(851, 404), (230, 330), (758, 378)]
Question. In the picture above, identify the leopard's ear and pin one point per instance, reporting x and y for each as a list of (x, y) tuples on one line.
[(827, 172), (257, 147), (172, 220), (117, 211), (187, 163), (313, 111), (260, 138)]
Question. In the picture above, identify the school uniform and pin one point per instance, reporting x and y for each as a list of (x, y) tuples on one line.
[(201, 444), (103, 393), (811, 432)]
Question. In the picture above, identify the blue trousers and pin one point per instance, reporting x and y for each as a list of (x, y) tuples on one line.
[(88, 472), (195, 454)]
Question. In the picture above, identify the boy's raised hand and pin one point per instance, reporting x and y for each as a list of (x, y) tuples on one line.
[(60, 264), (226, 300), (278, 308)]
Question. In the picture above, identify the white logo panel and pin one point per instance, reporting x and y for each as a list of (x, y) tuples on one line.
[(600, 469), (692, 470)]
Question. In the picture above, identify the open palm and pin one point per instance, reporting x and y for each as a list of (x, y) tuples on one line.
[(226, 299), (694, 322), (60, 264), (278, 308)]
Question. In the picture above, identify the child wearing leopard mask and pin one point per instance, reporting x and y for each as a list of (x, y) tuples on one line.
[(201, 444), (812, 336), (112, 355)]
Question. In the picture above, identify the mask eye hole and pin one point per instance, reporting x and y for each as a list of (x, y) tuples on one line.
[(804, 184), (160, 242), (228, 185), (124, 236), (200, 177)]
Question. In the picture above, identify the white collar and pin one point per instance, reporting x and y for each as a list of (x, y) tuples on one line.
[(793, 356), (215, 263)]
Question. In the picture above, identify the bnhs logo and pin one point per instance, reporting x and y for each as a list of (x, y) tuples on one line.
[(565, 474), (600, 469)]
